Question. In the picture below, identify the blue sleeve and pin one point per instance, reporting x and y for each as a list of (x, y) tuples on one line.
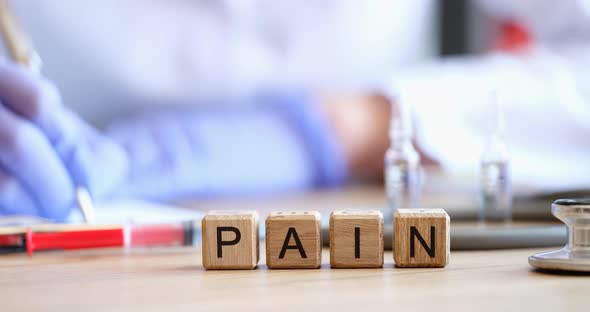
[(279, 143)]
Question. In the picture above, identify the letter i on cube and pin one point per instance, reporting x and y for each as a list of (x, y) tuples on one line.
[(356, 239)]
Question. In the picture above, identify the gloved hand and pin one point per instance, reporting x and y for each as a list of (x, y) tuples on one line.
[(266, 144), (46, 150)]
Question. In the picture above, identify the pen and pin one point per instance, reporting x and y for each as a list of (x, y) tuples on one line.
[(69, 237), (21, 50), (74, 239), (10, 243)]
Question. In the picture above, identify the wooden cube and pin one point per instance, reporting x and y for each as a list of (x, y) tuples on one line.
[(230, 240), (421, 238), (293, 240), (356, 239)]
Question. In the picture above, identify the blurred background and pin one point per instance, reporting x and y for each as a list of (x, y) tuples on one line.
[(209, 99)]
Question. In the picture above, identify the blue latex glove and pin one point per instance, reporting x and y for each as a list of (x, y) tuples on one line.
[(45, 150), (280, 144), (277, 143)]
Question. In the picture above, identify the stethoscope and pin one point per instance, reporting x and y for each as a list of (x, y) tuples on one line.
[(575, 255)]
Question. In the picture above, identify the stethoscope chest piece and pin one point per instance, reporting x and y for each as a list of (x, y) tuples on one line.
[(575, 255)]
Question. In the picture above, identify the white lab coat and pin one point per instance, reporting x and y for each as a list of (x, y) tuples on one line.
[(114, 57), (111, 57), (545, 94)]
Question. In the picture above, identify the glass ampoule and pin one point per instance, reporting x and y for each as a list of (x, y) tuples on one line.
[(495, 175), (402, 162)]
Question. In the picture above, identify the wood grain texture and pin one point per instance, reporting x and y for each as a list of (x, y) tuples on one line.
[(421, 238), (293, 240), (229, 253), (172, 279), (356, 239)]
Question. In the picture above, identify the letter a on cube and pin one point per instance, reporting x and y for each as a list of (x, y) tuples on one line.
[(293, 240), (421, 238), (230, 240)]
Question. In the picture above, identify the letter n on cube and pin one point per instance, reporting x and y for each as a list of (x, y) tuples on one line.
[(421, 238)]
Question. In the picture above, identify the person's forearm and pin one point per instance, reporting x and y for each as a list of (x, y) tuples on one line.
[(360, 122), (283, 146)]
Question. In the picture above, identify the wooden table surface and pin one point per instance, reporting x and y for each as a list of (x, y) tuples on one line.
[(173, 279)]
